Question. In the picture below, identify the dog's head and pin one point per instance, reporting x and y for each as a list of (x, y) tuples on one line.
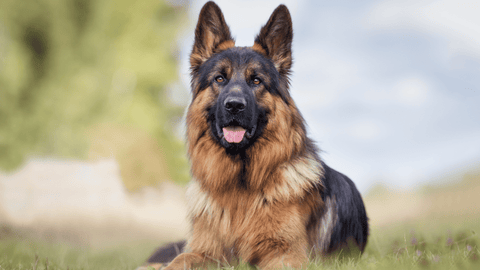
[(237, 86)]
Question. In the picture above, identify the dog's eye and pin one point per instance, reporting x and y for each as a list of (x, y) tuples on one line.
[(256, 81), (220, 79)]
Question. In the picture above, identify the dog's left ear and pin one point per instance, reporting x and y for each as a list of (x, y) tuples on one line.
[(275, 39)]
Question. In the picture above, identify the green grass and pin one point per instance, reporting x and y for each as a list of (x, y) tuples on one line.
[(407, 246), (411, 249), (23, 254)]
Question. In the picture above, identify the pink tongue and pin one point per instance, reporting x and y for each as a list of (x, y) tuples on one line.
[(233, 134)]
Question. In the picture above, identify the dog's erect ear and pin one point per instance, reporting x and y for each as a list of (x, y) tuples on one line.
[(275, 39), (211, 35)]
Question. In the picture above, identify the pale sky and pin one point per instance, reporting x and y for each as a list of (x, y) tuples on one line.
[(390, 89)]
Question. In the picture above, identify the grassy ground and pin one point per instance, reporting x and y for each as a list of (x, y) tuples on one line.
[(439, 230), (404, 247), (22, 254)]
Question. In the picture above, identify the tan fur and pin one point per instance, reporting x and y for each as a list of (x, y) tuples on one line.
[(270, 219), (258, 48), (264, 223), (242, 224), (188, 261), (199, 56), (225, 45), (327, 223)]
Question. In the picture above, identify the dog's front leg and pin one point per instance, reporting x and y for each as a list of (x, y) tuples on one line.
[(274, 257), (276, 238), (188, 261), (205, 247), (274, 249)]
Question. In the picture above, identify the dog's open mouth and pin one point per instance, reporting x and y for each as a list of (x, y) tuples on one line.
[(233, 134)]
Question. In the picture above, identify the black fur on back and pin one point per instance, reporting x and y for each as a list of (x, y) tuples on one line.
[(352, 221)]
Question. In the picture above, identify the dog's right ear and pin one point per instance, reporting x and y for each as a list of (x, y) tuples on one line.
[(211, 35)]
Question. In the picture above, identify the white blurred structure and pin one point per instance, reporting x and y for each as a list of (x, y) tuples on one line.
[(89, 198)]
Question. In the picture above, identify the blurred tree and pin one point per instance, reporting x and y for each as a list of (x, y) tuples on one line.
[(70, 67)]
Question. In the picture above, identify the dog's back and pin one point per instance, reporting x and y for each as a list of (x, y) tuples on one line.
[(344, 215)]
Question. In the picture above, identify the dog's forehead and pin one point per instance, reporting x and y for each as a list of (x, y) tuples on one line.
[(243, 56)]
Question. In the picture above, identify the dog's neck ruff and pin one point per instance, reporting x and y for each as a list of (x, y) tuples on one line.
[(290, 181)]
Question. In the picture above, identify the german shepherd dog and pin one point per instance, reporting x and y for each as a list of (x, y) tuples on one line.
[(260, 192)]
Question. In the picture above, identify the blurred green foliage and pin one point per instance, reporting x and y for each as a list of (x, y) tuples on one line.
[(67, 66)]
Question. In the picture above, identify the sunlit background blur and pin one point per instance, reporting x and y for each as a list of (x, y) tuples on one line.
[(93, 93)]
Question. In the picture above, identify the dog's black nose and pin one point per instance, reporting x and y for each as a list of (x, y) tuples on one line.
[(235, 104)]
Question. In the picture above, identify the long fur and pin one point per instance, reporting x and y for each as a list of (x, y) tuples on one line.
[(268, 200)]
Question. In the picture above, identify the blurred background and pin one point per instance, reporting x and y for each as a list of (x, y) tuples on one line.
[(93, 93)]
